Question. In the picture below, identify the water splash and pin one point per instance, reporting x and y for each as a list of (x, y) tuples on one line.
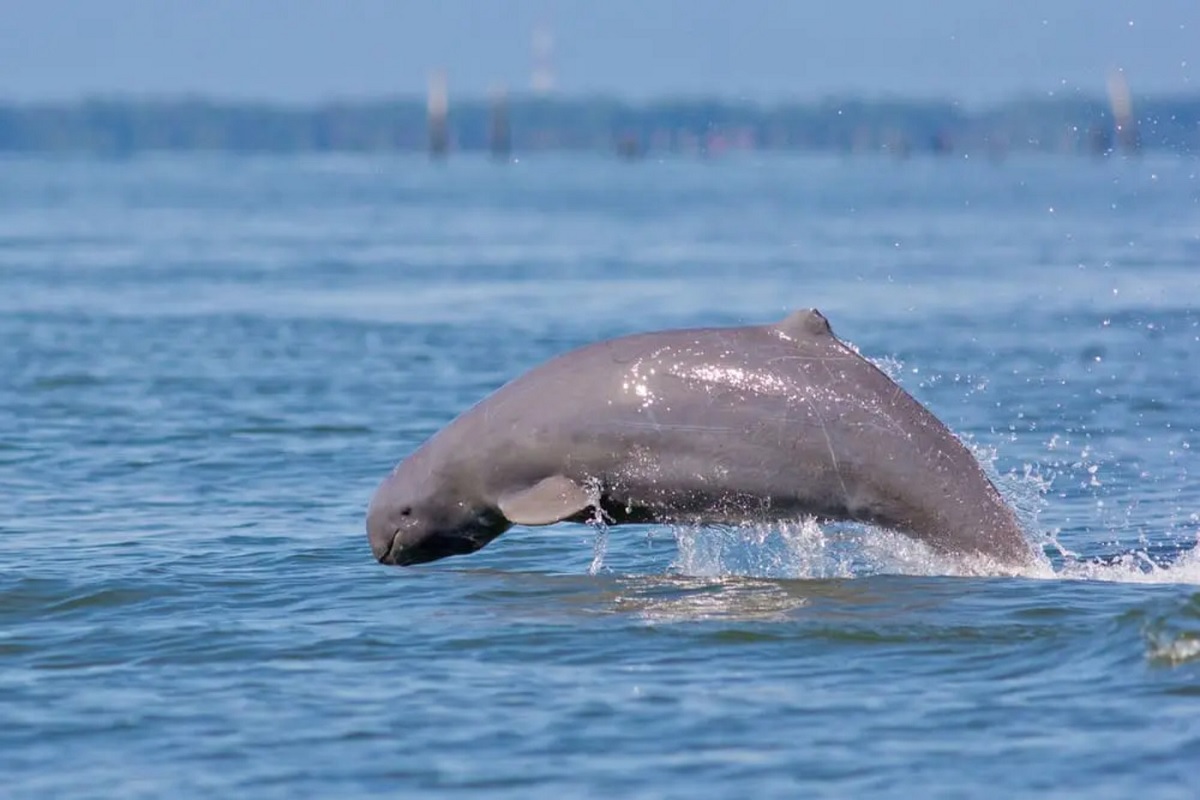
[(787, 550), (808, 550), (599, 549), (1027, 491), (1180, 565), (888, 365), (599, 522)]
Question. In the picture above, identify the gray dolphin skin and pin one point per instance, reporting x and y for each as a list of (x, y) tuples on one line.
[(708, 425)]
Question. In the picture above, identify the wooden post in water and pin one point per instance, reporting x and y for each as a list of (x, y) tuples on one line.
[(499, 131), (1120, 100), (438, 107)]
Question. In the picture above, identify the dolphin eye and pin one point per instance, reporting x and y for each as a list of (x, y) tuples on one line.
[(406, 511)]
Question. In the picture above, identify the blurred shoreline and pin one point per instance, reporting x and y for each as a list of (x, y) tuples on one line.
[(1076, 123)]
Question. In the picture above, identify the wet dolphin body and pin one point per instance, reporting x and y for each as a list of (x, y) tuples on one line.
[(709, 425)]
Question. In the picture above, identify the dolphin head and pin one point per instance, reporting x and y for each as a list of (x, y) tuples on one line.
[(414, 517)]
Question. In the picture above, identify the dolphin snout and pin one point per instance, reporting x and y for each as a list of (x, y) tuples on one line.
[(431, 548), (383, 545), (381, 531)]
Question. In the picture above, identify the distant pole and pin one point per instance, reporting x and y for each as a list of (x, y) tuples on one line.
[(499, 132), (1120, 100), (629, 146), (439, 107)]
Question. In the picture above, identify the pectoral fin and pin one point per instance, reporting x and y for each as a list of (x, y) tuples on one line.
[(548, 501)]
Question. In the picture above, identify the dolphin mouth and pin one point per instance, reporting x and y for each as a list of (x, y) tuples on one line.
[(431, 549)]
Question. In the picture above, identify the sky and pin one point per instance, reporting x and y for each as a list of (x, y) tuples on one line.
[(975, 51)]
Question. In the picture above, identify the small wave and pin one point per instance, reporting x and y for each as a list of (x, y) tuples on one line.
[(1172, 652), (327, 429), (691, 599), (1172, 633), (69, 380)]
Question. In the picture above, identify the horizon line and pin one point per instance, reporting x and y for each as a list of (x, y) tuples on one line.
[(568, 98)]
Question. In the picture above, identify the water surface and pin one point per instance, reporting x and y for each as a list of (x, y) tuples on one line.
[(210, 362)]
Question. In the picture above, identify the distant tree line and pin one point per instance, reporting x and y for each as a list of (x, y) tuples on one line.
[(119, 127)]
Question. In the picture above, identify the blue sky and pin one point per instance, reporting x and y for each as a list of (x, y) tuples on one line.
[(302, 50)]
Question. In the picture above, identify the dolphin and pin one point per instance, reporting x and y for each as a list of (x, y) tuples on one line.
[(703, 426)]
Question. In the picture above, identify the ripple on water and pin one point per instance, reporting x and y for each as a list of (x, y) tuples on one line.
[(1172, 631)]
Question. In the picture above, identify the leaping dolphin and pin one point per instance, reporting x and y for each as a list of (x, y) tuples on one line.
[(707, 425)]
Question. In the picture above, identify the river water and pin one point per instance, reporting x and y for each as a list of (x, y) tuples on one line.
[(209, 363)]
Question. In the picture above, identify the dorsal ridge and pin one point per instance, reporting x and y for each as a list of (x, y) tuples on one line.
[(803, 323)]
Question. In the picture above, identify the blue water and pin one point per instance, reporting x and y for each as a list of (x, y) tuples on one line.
[(209, 363)]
